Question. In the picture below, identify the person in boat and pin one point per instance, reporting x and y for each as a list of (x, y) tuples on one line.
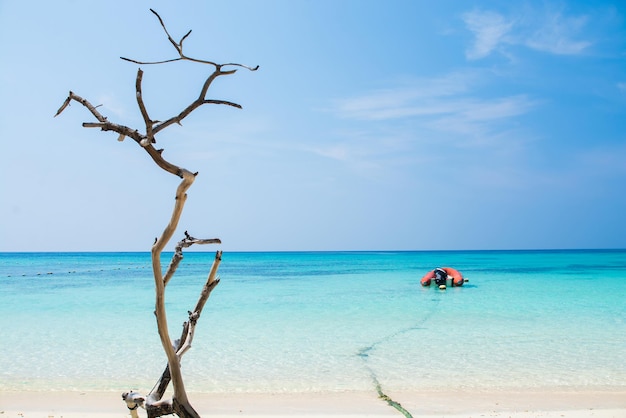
[(440, 276)]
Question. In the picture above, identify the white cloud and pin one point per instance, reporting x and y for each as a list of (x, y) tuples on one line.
[(418, 98), (416, 124), (489, 29), (444, 108), (478, 117), (556, 35), (545, 31)]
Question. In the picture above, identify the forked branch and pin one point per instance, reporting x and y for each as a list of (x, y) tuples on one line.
[(152, 127), (186, 242), (123, 131), (181, 56)]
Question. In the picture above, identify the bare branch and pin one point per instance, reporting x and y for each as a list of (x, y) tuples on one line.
[(93, 125), (179, 48), (205, 87), (187, 111), (232, 64), (152, 128), (183, 39), (65, 104), (150, 63), (211, 282), (186, 242), (139, 138), (85, 103), (166, 32), (144, 113), (221, 102)]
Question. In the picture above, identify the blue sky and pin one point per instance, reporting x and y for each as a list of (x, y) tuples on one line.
[(370, 125)]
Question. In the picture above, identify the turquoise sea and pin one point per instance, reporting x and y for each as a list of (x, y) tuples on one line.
[(319, 321)]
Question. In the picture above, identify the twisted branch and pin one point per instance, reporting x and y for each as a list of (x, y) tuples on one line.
[(179, 403)]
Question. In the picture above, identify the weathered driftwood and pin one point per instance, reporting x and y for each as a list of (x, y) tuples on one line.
[(154, 403)]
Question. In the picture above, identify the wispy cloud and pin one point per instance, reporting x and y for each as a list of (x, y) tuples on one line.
[(557, 33), (449, 104), (430, 121), (395, 102), (420, 97), (480, 117), (547, 31), (489, 28)]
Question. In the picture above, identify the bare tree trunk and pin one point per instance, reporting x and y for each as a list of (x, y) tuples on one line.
[(173, 362), (154, 403)]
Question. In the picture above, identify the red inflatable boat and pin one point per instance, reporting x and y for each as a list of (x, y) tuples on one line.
[(436, 275)]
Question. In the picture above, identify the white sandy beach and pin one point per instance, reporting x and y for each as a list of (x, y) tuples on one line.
[(609, 404)]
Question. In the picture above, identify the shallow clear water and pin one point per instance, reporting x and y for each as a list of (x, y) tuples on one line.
[(320, 321)]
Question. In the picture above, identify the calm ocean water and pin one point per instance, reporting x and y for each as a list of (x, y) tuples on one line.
[(319, 321)]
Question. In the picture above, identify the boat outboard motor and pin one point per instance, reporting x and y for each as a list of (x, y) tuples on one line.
[(440, 276)]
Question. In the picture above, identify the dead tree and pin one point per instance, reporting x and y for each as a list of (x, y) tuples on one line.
[(153, 402)]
